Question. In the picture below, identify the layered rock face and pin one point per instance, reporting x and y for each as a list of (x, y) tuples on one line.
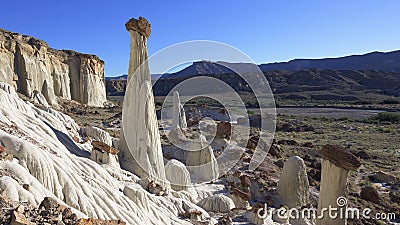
[(140, 144), (29, 65)]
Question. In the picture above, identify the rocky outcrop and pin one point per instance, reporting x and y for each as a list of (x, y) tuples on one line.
[(293, 185), (240, 198), (104, 154), (383, 177), (29, 65), (200, 161), (38, 98), (140, 144), (217, 203), (177, 175), (115, 87), (140, 26), (97, 134), (370, 194)]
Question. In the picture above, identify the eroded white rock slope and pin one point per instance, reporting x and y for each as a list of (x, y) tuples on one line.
[(46, 158)]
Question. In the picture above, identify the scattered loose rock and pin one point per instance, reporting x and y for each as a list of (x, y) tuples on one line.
[(383, 177), (275, 151), (18, 218), (307, 145), (288, 142), (370, 194), (394, 196), (224, 130), (104, 147), (99, 222), (362, 154)]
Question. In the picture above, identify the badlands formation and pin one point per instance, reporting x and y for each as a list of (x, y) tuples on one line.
[(31, 66), (54, 171), (45, 154)]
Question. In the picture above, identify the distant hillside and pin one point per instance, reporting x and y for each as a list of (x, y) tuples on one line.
[(374, 72), (383, 61), (311, 80), (121, 77), (389, 61), (125, 77), (116, 86)]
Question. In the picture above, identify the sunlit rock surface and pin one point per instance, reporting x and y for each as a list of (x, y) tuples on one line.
[(177, 175), (54, 165), (217, 203), (140, 144), (29, 65), (200, 160), (293, 186), (178, 114)]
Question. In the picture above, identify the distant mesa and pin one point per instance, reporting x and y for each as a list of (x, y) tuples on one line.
[(120, 77)]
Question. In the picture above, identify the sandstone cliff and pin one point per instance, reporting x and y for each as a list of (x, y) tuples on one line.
[(30, 65)]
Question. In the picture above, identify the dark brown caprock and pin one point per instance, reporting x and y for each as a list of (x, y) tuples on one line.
[(340, 156), (141, 25), (101, 146)]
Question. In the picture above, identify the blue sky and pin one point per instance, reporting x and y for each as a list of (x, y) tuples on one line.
[(267, 31)]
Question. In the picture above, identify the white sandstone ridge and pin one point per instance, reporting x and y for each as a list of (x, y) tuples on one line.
[(47, 158), (30, 66)]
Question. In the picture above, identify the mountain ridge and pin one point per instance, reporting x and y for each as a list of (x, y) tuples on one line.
[(383, 61)]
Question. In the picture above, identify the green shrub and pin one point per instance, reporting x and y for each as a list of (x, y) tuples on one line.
[(388, 117), (250, 112), (384, 130)]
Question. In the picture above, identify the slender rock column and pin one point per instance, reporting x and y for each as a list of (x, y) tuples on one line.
[(140, 129), (179, 117), (336, 164)]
